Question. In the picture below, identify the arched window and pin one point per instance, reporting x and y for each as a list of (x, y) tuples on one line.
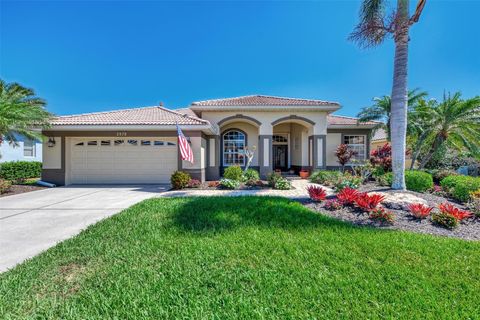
[(233, 148)]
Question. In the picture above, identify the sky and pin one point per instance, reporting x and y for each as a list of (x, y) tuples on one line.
[(103, 55)]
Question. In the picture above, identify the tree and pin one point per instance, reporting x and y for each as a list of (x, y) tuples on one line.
[(381, 110), (249, 153), (371, 31), (21, 112), (344, 154), (454, 122)]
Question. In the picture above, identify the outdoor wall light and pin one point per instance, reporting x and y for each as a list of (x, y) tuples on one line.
[(51, 142)]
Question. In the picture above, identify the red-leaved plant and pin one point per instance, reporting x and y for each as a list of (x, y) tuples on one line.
[(368, 202), (419, 210), (382, 215), (332, 205), (347, 196), (459, 214), (382, 156), (316, 193)]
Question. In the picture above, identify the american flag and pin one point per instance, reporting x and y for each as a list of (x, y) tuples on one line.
[(185, 150)]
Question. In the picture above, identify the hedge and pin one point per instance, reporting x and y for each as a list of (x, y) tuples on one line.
[(459, 187), (19, 170), (418, 181)]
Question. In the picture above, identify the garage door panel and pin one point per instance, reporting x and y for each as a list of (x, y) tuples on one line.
[(114, 161)]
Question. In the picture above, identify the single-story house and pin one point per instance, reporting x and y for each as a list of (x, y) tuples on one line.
[(139, 145), (25, 150)]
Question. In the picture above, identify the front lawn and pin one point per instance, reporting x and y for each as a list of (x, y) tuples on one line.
[(246, 257)]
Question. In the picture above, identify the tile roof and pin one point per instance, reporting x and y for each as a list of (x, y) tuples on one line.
[(380, 134), (262, 100), (135, 116), (349, 121)]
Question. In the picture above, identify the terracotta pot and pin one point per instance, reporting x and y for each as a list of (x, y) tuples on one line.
[(304, 174)]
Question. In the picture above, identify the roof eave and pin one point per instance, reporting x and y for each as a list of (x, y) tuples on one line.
[(351, 126), (206, 128)]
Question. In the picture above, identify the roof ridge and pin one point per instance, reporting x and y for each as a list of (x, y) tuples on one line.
[(230, 98), (292, 98), (103, 112), (183, 115)]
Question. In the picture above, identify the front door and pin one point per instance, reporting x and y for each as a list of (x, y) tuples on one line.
[(280, 157)]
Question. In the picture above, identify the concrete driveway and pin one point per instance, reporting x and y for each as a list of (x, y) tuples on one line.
[(35, 221)]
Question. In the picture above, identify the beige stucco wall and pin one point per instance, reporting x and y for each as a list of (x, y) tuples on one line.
[(267, 117), (252, 136), (52, 156), (333, 140)]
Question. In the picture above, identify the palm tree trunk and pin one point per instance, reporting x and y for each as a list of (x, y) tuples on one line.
[(418, 147), (398, 125), (439, 140)]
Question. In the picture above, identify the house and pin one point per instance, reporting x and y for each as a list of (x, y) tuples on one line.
[(140, 145), (25, 150), (379, 139)]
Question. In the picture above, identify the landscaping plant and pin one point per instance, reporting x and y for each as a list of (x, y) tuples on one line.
[(347, 196), (251, 176), (283, 184), (272, 178), (18, 171), (229, 183), (368, 202), (444, 220), (5, 186), (474, 203), (213, 184), (382, 215), (382, 157), (233, 173), (460, 187), (179, 180), (194, 183), (325, 177), (450, 209), (419, 210), (347, 180), (333, 204), (415, 180), (344, 154), (316, 193)]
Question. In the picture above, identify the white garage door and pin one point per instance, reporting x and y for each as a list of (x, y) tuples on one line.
[(122, 160)]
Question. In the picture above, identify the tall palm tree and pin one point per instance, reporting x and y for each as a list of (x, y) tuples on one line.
[(381, 110), (21, 112), (372, 29), (455, 122)]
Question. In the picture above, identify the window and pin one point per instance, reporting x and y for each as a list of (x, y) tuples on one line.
[(105, 143), (145, 142), (79, 144), (132, 142), (357, 144), (28, 148), (91, 143), (158, 143), (233, 148), (280, 139), (119, 142)]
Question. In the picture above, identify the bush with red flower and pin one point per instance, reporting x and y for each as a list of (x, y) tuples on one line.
[(419, 210), (316, 193), (368, 202), (347, 196)]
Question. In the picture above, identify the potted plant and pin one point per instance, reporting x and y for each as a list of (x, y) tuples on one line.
[(304, 174)]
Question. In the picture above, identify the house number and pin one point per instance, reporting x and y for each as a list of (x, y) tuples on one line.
[(121, 134)]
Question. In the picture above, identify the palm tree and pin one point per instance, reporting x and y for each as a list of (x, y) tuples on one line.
[(21, 112), (381, 110), (454, 122), (372, 29)]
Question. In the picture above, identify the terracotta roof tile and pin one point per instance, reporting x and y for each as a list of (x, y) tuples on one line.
[(343, 120), (135, 116), (261, 100)]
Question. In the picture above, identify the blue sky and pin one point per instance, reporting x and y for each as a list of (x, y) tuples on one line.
[(94, 56)]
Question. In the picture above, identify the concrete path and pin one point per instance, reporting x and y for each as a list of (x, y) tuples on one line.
[(35, 221)]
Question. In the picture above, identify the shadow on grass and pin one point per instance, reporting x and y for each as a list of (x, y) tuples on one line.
[(217, 214)]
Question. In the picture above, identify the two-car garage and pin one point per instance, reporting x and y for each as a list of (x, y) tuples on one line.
[(121, 160)]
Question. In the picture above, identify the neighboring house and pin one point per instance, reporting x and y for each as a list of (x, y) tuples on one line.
[(380, 138), (140, 145), (25, 150)]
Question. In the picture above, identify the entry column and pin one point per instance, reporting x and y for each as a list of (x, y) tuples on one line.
[(265, 157)]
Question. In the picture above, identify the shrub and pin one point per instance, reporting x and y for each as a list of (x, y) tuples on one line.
[(251, 174), (233, 173), (444, 220), (460, 187), (229, 183), (439, 175), (368, 202), (438, 191), (418, 181), (194, 183), (325, 177), (474, 203), (20, 170), (347, 180), (283, 184), (347, 196), (382, 215), (382, 157), (272, 178), (5, 186), (385, 179), (179, 180), (333, 205), (344, 154), (459, 214), (316, 193), (419, 210)]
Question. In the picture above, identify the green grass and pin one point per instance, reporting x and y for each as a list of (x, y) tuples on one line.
[(250, 258)]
